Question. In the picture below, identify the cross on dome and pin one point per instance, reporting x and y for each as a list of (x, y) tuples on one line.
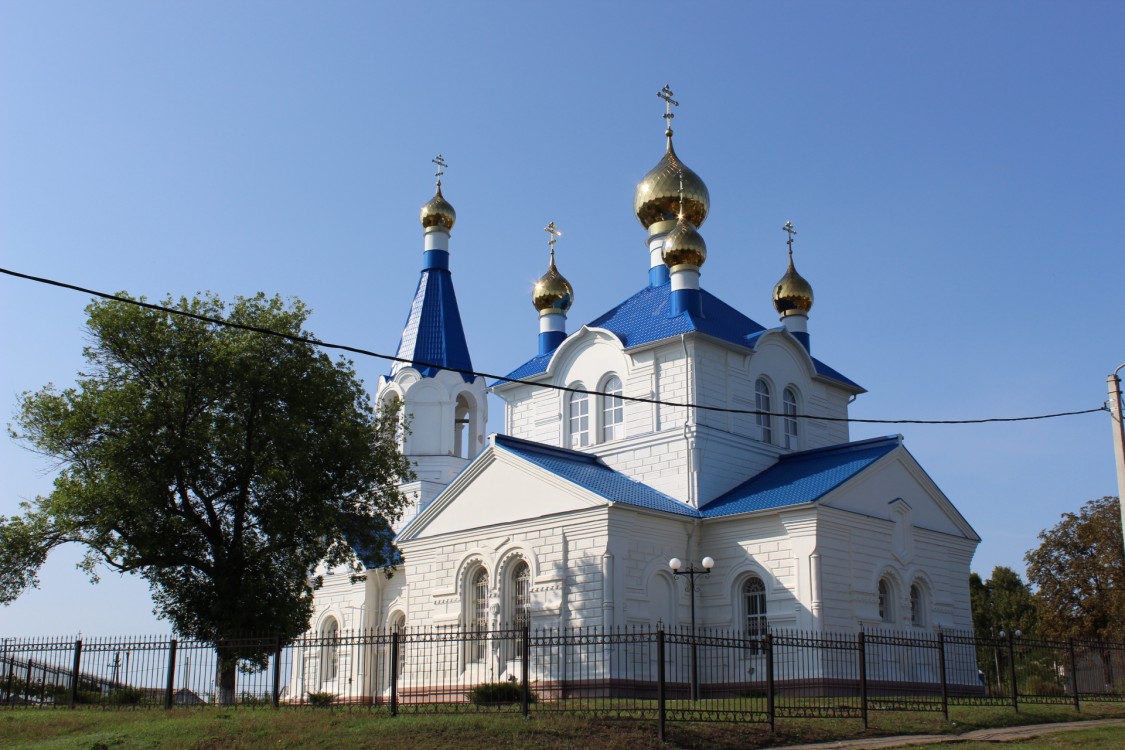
[(441, 165), (788, 229), (666, 94), (555, 233)]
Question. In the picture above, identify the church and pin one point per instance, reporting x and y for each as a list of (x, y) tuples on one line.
[(671, 433)]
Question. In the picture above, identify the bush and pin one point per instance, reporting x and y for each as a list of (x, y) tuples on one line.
[(490, 693), (126, 696), (322, 700)]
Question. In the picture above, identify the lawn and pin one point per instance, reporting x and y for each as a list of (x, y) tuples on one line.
[(212, 729)]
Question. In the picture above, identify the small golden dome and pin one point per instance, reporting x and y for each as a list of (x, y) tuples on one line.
[(438, 212), (684, 246), (552, 291), (657, 198), (793, 294)]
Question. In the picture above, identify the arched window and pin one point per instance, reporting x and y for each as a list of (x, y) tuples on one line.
[(754, 603), (789, 404), (391, 402), (462, 428), (398, 625), (762, 404), (519, 604), (329, 649), (886, 601), (917, 608), (613, 410), (578, 420), (478, 612)]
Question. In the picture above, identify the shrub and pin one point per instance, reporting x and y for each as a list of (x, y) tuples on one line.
[(488, 693), (126, 696), (322, 700)]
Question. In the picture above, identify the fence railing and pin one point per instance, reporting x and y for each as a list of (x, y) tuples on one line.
[(643, 672)]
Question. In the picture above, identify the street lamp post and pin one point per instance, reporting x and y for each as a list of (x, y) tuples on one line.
[(691, 572), (1114, 383)]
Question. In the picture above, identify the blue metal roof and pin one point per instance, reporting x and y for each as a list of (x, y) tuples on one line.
[(591, 473), (802, 477), (433, 332), (645, 317)]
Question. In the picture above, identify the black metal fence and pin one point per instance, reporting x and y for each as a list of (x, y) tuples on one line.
[(643, 673)]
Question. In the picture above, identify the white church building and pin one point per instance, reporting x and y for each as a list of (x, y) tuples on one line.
[(570, 516)]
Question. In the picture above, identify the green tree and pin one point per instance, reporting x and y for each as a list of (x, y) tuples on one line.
[(1002, 603), (220, 464), (1079, 572)]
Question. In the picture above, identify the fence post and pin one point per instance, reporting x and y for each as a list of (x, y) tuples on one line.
[(74, 672), (771, 711), (1012, 671), (277, 672), (170, 686), (863, 679), (660, 697), (11, 679), (27, 684), (395, 646), (525, 657), (944, 681), (1073, 673)]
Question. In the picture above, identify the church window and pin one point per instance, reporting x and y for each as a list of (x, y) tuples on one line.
[(762, 404), (789, 404), (613, 410), (478, 611), (462, 432), (329, 649), (579, 420), (754, 598), (520, 605), (917, 613), (398, 625), (886, 602), (393, 402)]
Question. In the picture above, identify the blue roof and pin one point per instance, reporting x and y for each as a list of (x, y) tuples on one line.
[(591, 473), (433, 332), (802, 477), (644, 318)]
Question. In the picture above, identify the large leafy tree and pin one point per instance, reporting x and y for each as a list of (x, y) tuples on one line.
[(1003, 603), (1079, 573), (220, 464)]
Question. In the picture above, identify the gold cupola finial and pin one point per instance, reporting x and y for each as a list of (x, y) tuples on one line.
[(657, 202), (552, 292), (684, 246), (792, 295), (438, 213)]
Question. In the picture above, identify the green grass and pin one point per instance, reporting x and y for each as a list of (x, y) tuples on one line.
[(212, 729)]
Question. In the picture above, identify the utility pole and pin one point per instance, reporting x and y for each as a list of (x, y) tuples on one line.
[(1114, 383)]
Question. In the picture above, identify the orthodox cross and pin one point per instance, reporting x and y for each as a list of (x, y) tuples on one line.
[(555, 233), (441, 165), (788, 229), (666, 94)]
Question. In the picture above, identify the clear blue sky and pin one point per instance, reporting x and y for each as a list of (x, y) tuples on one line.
[(954, 170)]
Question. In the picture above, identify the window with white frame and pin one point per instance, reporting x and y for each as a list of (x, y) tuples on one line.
[(329, 649), (917, 608), (789, 422), (613, 410), (886, 601), (578, 420), (762, 404), (462, 428), (754, 604), (478, 612), (520, 595)]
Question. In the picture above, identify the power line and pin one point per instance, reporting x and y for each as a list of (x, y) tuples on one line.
[(489, 376)]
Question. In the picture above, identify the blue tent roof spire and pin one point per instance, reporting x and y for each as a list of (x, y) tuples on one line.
[(433, 333)]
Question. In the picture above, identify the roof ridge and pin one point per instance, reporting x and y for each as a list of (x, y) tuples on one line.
[(531, 445), (841, 447)]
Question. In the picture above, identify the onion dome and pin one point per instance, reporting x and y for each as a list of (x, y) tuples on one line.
[(684, 246), (438, 212), (552, 292), (657, 198), (793, 294)]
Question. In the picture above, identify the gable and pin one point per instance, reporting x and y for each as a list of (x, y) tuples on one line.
[(496, 489), (896, 480)]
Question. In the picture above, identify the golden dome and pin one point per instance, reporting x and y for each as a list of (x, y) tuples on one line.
[(438, 212), (684, 246), (552, 291), (657, 198), (793, 294)]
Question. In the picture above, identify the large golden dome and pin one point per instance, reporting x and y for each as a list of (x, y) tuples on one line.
[(438, 212), (684, 246), (793, 294), (552, 291), (657, 198)]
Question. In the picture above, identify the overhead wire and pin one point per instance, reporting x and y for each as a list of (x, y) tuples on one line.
[(505, 379)]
